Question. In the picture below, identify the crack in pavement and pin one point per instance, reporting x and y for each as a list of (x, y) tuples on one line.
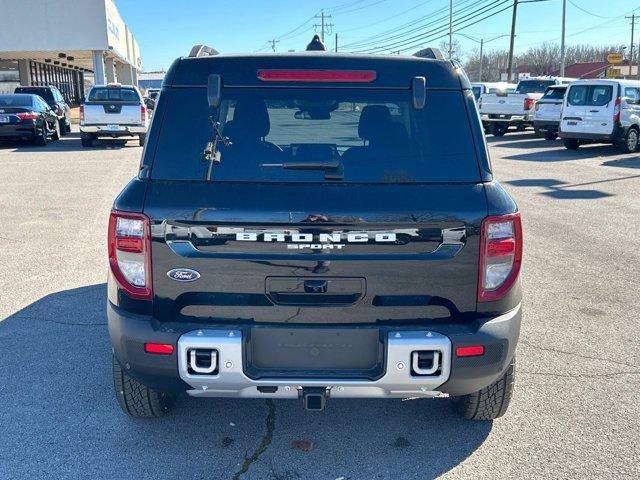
[(574, 354), (579, 375), (264, 443)]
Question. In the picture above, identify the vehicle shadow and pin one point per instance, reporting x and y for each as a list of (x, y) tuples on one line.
[(60, 419), (562, 190), (69, 143)]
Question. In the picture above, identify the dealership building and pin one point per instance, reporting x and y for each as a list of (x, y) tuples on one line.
[(66, 43)]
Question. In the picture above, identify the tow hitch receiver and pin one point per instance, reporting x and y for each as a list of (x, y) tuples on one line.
[(314, 398)]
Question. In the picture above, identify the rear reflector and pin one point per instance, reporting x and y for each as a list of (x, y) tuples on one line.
[(129, 244), (340, 76), (158, 348), (470, 351)]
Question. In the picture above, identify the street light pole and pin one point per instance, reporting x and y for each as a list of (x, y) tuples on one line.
[(450, 29), (511, 44), (562, 44), (481, 59)]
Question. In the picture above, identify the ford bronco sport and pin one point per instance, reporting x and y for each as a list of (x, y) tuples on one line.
[(314, 225)]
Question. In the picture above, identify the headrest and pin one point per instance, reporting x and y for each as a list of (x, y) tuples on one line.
[(373, 120), (250, 119)]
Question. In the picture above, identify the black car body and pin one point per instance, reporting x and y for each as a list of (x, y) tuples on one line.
[(313, 225), (27, 117), (56, 101)]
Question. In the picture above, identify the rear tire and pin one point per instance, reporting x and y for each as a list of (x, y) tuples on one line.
[(141, 139), (550, 136), (55, 135), (629, 143), (499, 129), (491, 402), (63, 127), (136, 399), (571, 143), (41, 140), (87, 140)]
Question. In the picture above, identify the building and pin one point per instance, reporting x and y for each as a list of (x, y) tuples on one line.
[(65, 43), (585, 70), (150, 79)]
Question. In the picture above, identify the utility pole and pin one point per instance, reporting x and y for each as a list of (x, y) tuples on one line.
[(563, 56), (450, 29), (336, 41), (633, 26), (511, 44), (273, 44), (481, 59), (323, 25)]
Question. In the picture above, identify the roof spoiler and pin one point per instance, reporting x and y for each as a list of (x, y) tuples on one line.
[(430, 52), (202, 51)]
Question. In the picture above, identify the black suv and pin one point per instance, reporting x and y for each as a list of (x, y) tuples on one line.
[(56, 101), (314, 225)]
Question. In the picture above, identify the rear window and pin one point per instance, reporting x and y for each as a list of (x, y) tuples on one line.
[(16, 101), (43, 92), (590, 95), (554, 94), (533, 86), (109, 94), (300, 134)]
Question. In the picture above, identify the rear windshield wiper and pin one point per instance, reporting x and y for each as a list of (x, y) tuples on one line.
[(332, 170), (211, 153)]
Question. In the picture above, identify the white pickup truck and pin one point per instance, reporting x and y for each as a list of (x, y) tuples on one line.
[(114, 111), (501, 110)]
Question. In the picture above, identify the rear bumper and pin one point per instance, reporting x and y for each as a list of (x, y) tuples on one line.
[(18, 131), (548, 125), (455, 376), (510, 119), (127, 130)]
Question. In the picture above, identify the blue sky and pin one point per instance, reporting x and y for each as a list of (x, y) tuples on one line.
[(167, 29)]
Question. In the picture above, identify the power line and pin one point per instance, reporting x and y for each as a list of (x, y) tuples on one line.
[(587, 11), (392, 35), (444, 26)]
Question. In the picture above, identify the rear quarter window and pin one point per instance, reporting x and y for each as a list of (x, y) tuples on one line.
[(375, 135), (554, 94)]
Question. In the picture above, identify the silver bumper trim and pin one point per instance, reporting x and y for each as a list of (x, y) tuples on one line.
[(398, 381)]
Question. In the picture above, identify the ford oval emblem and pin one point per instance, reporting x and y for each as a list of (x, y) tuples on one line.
[(183, 275)]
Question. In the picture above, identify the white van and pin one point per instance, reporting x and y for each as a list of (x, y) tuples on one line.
[(547, 112), (602, 111)]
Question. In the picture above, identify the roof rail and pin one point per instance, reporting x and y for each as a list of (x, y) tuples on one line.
[(202, 51), (430, 52)]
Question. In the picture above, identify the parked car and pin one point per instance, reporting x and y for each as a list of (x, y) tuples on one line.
[(602, 111), (114, 111), (27, 117), (56, 101), (547, 112), (516, 109), (280, 243)]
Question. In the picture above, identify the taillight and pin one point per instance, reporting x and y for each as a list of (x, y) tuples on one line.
[(27, 115), (130, 253), (616, 110), (143, 114), (529, 103), (81, 113), (500, 256)]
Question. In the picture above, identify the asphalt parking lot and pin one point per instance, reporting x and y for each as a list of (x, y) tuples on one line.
[(576, 409)]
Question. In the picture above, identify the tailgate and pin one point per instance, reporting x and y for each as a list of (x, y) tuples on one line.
[(321, 254), (548, 111), (503, 104), (112, 113)]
